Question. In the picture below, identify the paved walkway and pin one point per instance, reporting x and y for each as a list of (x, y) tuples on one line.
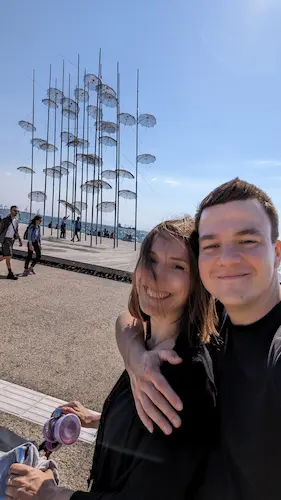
[(33, 406), (103, 254)]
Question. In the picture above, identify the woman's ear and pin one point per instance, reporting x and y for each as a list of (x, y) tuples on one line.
[(277, 254)]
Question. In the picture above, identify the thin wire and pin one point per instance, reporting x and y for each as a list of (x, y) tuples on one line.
[(138, 172)]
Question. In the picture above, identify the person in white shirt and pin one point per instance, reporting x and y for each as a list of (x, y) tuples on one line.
[(8, 234)]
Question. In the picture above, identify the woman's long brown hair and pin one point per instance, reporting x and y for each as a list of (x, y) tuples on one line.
[(199, 317)]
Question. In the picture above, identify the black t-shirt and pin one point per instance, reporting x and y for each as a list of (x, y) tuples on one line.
[(132, 464), (248, 464)]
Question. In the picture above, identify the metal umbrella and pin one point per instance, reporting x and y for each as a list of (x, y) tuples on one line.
[(109, 100), (92, 111), (37, 196), (67, 137), (70, 105), (37, 143), (81, 95), (52, 172), (55, 94), (111, 174), (106, 206), (62, 170), (69, 114), (50, 103), (147, 120), (108, 127), (27, 126), (70, 206), (68, 164), (78, 143), (108, 141), (80, 205), (90, 158), (129, 195), (91, 81), (26, 170), (50, 148), (102, 88), (146, 159), (127, 119)]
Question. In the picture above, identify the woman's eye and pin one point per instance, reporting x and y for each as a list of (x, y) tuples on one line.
[(178, 266)]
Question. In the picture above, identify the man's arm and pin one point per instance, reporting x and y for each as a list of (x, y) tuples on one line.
[(154, 398)]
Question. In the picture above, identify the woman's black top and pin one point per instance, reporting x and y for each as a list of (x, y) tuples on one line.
[(132, 464)]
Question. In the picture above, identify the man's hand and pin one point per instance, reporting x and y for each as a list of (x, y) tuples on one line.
[(88, 418), (153, 396), (26, 482)]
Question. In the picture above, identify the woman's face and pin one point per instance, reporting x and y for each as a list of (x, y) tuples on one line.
[(38, 222), (167, 293)]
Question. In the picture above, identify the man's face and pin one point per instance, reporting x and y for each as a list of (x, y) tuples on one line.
[(237, 260), (14, 211)]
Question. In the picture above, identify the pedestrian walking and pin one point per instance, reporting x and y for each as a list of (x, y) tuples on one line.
[(8, 234), (33, 235), (63, 227), (77, 229)]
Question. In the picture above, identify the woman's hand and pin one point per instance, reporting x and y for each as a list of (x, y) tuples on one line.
[(31, 247), (88, 418), (154, 398), (25, 482)]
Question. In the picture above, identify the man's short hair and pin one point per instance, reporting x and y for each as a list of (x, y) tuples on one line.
[(13, 206), (238, 190)]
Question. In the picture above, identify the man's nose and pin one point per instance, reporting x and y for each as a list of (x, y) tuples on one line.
[(229, 254)]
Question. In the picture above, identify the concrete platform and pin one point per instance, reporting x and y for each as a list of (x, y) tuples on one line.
[(34, 406), (101, 256)]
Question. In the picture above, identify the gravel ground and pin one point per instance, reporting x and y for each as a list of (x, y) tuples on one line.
[(57, 333), (74, 462)]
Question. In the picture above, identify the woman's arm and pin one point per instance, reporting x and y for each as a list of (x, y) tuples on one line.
[(150, 389), (29, 234)]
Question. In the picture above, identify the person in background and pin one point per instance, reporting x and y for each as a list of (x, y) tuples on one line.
[(77, 229), (33, 245), (63, 227), (8, 234)]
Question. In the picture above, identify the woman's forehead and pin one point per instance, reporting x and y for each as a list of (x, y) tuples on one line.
[(165, 243)]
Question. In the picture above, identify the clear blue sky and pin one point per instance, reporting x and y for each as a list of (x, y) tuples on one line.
[(210, 71)]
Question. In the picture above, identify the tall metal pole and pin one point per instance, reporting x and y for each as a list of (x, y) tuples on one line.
[(117, 178), (54, 163), (46, 157), (96, 145), (61, 131), (87, 172), (32, 142), (100, 170), (76, 134), (68, 127), (137, 153), (83, 147)]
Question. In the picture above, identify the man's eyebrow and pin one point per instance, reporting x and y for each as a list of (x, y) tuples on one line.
[(244, 232), (252, 230)]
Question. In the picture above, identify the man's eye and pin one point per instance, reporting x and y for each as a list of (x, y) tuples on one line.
[(209, 247), (247, 242)]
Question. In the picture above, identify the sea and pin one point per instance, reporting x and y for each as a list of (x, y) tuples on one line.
[(124, 232)]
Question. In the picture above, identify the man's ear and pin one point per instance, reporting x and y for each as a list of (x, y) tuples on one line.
[(277, 254)]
